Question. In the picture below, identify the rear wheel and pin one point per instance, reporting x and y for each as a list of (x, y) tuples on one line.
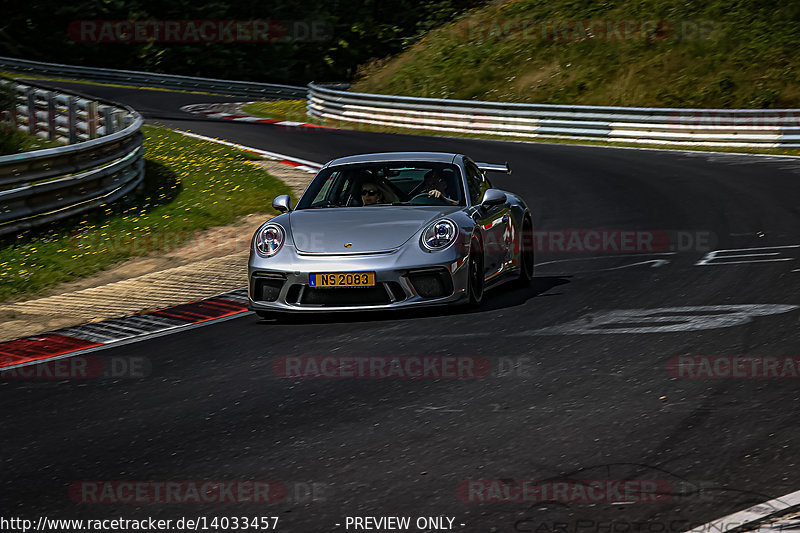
[(526, 255), (476, 279)]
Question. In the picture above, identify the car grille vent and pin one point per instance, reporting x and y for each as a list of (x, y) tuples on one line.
[(345, 297), (293, 294)]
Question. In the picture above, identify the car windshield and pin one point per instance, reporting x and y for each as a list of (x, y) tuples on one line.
[(385, 183)]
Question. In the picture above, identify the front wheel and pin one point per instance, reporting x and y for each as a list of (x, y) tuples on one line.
[(476, 279)]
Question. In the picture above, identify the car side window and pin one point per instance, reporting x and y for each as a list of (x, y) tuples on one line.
[(474, 182)]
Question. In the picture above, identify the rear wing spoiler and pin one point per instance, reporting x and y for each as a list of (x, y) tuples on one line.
[(489, 167)]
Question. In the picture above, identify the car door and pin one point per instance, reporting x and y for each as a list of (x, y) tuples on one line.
[(494, 221), (505, 230)]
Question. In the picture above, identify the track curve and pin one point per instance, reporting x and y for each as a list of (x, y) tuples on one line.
[(590, 404)]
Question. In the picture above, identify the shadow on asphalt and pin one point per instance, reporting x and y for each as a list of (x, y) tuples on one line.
[(506, 295)]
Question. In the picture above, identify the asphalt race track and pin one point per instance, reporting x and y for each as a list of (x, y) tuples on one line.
[(576, 390)]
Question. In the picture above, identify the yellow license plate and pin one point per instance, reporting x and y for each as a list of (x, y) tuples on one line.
[(342, 279)]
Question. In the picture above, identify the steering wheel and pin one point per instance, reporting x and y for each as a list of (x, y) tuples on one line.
[(416, 190), (424, 199)]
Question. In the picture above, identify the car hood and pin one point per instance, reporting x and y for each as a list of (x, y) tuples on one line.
[(367, 229)]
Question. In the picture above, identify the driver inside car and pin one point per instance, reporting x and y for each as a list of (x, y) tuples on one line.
[(437, 187)]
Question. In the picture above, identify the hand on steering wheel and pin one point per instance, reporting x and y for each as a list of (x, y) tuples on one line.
[(425, 199)]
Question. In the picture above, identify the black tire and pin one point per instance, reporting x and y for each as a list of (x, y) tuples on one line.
[(475, 274), (526, 254)]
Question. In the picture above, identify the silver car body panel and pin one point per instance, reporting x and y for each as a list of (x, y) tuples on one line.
[(385, 240)]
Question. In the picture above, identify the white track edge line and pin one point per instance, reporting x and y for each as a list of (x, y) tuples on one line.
[(274, 155), (750, 515)]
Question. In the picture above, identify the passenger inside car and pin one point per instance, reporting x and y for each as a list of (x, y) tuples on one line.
[(371, 194)]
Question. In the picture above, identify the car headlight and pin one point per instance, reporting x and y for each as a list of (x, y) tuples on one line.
[(439, 235), (269, 240)]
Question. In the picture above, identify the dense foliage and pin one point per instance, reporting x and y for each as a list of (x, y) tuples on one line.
[(9, 138), (360, 31)]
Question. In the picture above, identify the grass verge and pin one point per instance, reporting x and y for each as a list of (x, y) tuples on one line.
[(279, 110), (661, 53), (190, 185)]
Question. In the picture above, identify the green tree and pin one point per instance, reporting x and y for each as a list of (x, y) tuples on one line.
[(360, 31)]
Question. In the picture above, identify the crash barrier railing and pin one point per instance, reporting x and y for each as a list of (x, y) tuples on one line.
[(764, 128), (103, 163), (265, 91), (62, 117)]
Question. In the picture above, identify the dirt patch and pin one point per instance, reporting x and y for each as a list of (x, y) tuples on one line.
[(537, 77), (212, 262), (297, 180)]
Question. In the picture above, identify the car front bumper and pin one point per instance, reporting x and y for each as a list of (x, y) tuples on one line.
[(403, 279)]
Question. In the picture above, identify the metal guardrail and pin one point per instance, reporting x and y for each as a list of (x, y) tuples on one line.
[(103, 164), (266, 91), (764, 128), (68, 118)]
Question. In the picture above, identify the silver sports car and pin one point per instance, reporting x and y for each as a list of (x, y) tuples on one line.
[(391, 230)]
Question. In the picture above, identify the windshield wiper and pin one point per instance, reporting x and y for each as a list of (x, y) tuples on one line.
[(402, 203)]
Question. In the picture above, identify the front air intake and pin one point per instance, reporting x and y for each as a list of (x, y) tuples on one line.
[(432, 283), (267, 290)]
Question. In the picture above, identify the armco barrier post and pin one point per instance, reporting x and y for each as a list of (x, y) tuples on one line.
[(108, 120), (72, 119), (119, 120), (91, 120), (14, 114), (30, 99), (51, 116)]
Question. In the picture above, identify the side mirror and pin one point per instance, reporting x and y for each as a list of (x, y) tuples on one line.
[(283, 203), (493, 197)]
